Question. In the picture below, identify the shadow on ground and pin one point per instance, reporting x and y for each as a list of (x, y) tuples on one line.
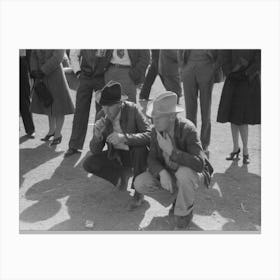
[(86, 199), (235, 196), (30, 158), (233, 202)]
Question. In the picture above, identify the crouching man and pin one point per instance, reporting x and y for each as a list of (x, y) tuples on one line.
[(126, 131), (177, 164)]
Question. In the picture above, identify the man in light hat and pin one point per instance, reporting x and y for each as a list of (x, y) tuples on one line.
[(126, 131), (177, 164)]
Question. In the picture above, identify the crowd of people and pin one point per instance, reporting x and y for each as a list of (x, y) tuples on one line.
[(164, 153)]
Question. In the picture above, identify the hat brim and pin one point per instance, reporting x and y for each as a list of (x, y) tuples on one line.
[(103, 102), (151, 114)]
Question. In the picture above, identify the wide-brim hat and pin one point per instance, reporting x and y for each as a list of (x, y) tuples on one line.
[(165, 103), (110, 94)]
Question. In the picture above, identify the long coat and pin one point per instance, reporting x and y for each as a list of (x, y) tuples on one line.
[(50, 62), (241, 96)]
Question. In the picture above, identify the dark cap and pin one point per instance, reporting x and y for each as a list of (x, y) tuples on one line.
[(110, 94)]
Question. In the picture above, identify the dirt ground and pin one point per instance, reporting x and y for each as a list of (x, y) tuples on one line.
[(56, 194)]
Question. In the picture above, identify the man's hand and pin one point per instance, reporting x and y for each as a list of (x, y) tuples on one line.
[(116, 138), (165, 180), (165, 144), (98, 128)]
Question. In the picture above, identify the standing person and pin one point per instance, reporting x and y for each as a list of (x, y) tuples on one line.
[(126, 131), (150, 77), (89, 67), (128, 67), (46, 65), (24, 93), (198, 70), (169, 71), (177, 164), (240, 102)]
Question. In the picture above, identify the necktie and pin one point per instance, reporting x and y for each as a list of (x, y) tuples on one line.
[(120, 53)]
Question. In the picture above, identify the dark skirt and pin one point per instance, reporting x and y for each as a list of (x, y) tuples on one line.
[(240, 102)]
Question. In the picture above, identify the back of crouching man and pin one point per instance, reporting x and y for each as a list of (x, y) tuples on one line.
[(177, 164)]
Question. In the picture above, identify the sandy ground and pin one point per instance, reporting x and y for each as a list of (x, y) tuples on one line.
[(56, 194)]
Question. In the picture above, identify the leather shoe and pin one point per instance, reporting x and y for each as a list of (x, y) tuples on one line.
[(47, 137), (30, 135), (70, 152), (136, 202), (182, 222)]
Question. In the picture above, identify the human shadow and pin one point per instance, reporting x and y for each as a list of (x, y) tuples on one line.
[(24, 138), (234, 199), (30, 158), (167, 223), (47, 192), (85, 199)]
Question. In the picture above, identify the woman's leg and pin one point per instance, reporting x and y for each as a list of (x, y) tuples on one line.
[(52, 124), (244, 137), (235, 136), (59, 124)]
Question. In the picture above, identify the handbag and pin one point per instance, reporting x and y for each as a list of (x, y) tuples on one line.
[(43, 93)]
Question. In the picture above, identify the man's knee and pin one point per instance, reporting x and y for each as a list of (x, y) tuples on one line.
[(185, 175), (140, 182), (89, 164)]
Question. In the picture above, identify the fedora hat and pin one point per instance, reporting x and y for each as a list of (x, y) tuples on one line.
[(110, 94), (166, 103)]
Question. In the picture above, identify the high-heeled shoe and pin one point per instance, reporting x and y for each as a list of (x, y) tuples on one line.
[(234, 155), (47, 137), (246, 159), (56, 141)]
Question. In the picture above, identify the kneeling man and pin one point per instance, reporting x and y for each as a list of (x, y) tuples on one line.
[(177, 164), (126, 131)]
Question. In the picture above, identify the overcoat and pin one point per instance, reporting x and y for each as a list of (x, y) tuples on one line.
[(241, 96), (50, 62)]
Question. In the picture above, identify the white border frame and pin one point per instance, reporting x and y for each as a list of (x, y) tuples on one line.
[(157, 24)]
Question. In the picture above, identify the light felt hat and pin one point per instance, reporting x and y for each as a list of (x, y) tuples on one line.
[(165, 103)]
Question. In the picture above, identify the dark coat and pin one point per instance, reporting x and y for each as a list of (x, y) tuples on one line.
[(168, 63), (92, 65), (134, 125), (140, 60), (50, 62), (187, 152), (241, 95)]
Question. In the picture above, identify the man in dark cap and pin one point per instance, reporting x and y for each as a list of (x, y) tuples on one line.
[(126, 131)]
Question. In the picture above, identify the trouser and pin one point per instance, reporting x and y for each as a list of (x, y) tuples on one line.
[(82, 109), (199, 76), (122, 76), (151, 76), (185, 182), (25, 97), (134, 161), (172, 83)]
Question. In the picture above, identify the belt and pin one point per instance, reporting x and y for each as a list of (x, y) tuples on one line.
[(119, 65)]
